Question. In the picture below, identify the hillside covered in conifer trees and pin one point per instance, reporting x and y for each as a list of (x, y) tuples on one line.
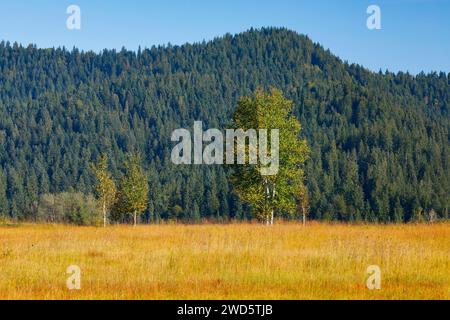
[(379, 142)]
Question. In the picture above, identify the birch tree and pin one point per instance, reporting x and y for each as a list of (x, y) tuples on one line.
[(133, 194), (270, 195), (303, 202), (106, 188)]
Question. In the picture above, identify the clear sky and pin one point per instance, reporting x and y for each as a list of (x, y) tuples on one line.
[(414, 35)]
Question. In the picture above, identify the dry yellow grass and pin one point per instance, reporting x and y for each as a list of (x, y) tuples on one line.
[(237, 261)]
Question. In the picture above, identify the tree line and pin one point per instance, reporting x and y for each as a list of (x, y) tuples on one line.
[(379, 141)]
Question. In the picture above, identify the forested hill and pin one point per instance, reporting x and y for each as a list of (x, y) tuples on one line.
[(379, 141)]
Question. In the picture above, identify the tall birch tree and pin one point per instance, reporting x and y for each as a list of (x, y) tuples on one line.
[(106, 187), (133, 194), (270, 195)]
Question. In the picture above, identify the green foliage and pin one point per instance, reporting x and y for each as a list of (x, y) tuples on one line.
[(270, 194), (105, 187), (69, 207), (303, 201), (3, 199), (379, 141), (133, 188), (176, 212)]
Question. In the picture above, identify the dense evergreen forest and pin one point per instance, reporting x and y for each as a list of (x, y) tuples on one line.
[(379, 141)]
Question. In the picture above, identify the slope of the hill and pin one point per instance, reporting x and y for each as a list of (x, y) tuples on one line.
[(380, 142)]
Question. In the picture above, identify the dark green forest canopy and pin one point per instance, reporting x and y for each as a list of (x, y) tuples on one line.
[(379, 141)]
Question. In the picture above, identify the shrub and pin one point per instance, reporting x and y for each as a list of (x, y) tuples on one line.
[(69, 207), (5, 220)]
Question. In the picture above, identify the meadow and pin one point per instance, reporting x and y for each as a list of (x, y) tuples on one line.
[(234, 261)]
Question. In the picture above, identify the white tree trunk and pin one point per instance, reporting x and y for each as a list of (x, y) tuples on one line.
[(273, 197), (269, 217), (104, 214), (135, 218)]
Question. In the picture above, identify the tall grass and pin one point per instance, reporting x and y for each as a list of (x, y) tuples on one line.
[(236, 261)]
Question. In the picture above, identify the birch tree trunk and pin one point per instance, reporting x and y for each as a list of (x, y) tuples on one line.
[(273, 197), (104, 214), (267, 216), (135, 218)]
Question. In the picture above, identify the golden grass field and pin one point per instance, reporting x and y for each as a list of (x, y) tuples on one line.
[(236, 261)]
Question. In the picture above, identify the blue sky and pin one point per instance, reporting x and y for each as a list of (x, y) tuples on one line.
[(415, 34)]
